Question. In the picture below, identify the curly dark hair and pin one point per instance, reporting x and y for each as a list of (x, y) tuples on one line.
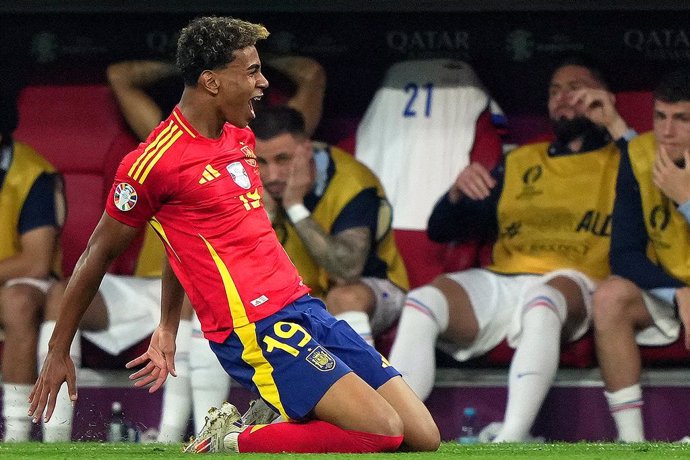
[(209, 43)]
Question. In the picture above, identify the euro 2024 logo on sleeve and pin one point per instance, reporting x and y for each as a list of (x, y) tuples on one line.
[(125, 196)]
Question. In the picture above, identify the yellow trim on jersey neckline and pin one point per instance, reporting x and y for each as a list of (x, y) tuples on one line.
[(146, 151), (153, 152), (183, 125), (163, 149)]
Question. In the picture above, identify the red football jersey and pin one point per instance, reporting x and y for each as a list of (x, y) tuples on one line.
[(203, 196)]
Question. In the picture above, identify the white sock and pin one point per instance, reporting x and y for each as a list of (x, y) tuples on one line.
[(626, 408), (210, 382), (359, 321), (15, 405), (177, 392), (534, 364), (59, 428), (424, 317)]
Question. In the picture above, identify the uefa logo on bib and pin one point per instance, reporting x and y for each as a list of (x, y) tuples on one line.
[(125, 197)]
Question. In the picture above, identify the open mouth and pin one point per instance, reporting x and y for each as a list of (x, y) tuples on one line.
[(253, 100)]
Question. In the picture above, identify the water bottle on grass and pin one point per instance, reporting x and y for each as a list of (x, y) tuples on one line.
[(469, 429)]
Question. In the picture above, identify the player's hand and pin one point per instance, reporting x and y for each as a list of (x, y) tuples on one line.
[(474, 182), (673, 181), (683, 301), (301, 178), (599, 105), (158, 361), (57, 368)]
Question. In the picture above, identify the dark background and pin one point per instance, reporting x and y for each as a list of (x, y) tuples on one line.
[(511, 44)]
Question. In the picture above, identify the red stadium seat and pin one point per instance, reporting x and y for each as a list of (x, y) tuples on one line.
[(674, 354), (637, 108), (79, 129)]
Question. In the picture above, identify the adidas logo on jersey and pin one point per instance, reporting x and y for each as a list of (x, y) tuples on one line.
[(208, 175)]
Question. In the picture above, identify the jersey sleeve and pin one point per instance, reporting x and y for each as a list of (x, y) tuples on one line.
[(39, 207), (629, 238), (467, 220), (134, 201), (361, 211)]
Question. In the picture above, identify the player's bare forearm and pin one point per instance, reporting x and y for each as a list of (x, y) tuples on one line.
[(139, 73), (159, 359), (171, 300), (80, 291), (343, 255), (109, 239), (310, 78)]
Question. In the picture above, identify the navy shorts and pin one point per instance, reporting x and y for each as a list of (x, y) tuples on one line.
[(294, 356)]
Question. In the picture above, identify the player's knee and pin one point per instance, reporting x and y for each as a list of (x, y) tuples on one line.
[(20, 311), (432, 301), (611, 303), (424, 438), (546, 296), (429, 443), (429, 297), (355, 297), (390, 424)]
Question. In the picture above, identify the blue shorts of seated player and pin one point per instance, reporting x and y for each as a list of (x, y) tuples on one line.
[(294, 356)]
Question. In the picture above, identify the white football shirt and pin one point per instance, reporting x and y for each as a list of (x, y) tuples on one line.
[(418, 131)]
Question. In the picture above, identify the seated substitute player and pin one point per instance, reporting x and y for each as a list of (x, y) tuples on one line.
[(648, 297), (332, 217), (269, 334), (32, 210), (145, 91), (552, 246)]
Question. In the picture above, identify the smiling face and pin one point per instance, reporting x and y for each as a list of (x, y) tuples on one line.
[(240, 84), (672, 127)]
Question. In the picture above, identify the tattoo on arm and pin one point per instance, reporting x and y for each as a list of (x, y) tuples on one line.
[(342, 255)]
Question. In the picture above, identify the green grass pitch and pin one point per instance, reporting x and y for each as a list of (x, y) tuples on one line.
[(448, 451)]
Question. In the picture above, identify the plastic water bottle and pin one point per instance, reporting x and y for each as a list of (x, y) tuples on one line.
[(469, 429), (117, 429)]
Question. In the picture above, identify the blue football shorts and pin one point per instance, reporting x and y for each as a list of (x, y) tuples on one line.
[(294, 356)]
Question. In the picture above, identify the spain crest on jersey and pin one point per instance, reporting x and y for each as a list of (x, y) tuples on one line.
[(125, 197), (239, 174), (321, 359), (249, 155)]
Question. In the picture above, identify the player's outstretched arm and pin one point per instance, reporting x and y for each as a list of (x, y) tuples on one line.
[(109, 240), (159, 358)]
